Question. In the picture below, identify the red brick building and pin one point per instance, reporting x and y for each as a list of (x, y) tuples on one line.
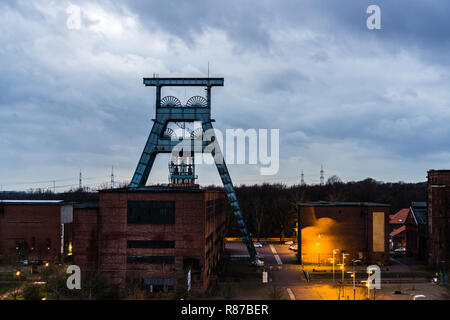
[(398, 229), (438, 193), (359, 229), (154, 235), (36, 230), (417, 230)]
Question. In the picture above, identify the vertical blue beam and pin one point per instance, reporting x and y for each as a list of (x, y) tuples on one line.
[(148, 156), (231, 195)]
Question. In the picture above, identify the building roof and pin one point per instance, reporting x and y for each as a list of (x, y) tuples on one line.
[(398, 231), (399, 217), (419, 212), (31, 201), (158, 189), (342, 204)]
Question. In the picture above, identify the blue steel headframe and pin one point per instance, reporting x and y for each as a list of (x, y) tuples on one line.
[(157, 142)]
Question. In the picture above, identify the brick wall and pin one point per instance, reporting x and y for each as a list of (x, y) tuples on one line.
[(190, 232), (347, 228), (85, 238), (31, 223), (438, 193)]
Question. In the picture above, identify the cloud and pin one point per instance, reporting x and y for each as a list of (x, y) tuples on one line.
[(358, 101)]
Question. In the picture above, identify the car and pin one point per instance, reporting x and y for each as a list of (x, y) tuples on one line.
[(293, 247), (400, 250), (263, 243), (257, 245), (289, 242)]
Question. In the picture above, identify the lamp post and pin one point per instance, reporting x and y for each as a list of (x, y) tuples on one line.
[(343, 271), (334, 260), (353, 275), (318, 253)]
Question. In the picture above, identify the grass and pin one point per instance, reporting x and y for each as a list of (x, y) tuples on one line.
[(8, 286)]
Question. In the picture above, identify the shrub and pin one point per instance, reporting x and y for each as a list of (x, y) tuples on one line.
[(32, 292)]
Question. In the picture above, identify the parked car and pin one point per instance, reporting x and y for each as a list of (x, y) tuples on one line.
[(257, 244), (289, 242), (263, 243), (400, 250), (293, 247)]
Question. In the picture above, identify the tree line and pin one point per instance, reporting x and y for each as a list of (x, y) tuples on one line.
[(270, 210)]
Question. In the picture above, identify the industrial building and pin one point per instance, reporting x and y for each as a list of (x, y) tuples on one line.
[(409, 230), (35, 230), (358, 229), (397, 234), (416, 229), (155, 235), (438, 193)]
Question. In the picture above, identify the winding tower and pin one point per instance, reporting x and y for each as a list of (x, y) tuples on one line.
[(162, 139)]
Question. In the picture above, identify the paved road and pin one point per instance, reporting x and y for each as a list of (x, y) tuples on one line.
[(280, 262)]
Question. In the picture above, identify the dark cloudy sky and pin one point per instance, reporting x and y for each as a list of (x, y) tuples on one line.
[(362, 103)]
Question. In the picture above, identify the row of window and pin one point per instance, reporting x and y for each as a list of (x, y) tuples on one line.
[(151, 259), (161, 212), (151, 212)]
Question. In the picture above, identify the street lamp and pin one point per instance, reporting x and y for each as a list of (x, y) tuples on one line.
[(343, 270), (353, 275), (368, 287), (334, 260), (318, 253)]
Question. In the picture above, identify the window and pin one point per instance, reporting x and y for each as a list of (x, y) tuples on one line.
[(151, 259), (151, 212), (159, 285), (150, 244)]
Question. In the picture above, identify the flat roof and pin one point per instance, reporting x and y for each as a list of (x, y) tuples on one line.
[(31, 201), (159, 189), (342, 204)]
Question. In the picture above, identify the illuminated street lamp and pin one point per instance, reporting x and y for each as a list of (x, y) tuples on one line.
[(353, 275), (318, 253), (368, 287), (342, 266), (368, 283), (18, 273), (334, 260)]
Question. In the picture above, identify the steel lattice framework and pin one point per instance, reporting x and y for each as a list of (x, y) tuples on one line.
[(160, 140)]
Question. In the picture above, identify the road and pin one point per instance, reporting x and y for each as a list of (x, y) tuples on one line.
[(280, 262)]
